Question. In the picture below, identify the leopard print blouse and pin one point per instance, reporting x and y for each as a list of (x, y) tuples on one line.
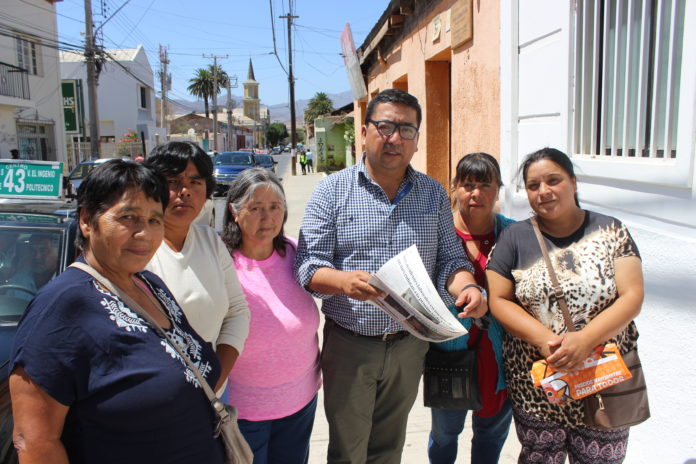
[(584, 264)]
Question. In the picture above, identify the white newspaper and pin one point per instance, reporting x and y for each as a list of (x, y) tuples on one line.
[(412, 300)]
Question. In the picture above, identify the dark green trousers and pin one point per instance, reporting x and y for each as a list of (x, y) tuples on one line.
[(369, 388)]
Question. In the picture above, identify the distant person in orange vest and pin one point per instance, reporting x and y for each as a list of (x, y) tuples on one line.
[(303, 162)]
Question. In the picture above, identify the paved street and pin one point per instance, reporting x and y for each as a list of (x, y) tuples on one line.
[(298, 190)]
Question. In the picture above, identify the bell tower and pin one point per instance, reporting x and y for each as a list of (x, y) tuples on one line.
[(251, 95)]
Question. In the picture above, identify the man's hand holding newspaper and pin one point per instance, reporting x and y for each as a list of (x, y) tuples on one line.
[(409, 296)]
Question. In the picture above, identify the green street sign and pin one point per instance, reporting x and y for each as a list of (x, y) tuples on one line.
[(72, 93), (31, 179)]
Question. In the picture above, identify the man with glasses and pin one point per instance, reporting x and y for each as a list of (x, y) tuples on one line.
[(355, 221)]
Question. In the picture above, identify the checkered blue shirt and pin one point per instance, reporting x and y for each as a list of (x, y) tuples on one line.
[(350, 224)]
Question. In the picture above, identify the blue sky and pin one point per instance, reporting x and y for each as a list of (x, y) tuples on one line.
[(238, 29)]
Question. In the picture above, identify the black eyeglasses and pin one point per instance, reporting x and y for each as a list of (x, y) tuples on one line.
[(387, 128)]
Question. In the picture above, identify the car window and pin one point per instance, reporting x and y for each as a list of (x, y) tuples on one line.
[(233, 158), (81, 171), (29, 258)]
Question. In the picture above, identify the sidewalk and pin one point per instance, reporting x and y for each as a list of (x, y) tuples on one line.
[(298, 189)]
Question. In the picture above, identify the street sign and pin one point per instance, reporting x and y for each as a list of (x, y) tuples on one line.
[(31, 179), (72, 104), (352, 63)]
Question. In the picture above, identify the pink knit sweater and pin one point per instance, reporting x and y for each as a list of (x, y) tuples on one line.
[(278, 371)]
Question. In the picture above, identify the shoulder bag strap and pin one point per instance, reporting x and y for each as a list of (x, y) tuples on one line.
[(557, 290), (215, 402)]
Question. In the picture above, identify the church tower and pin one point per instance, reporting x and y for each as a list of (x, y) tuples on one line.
[(251, 95)]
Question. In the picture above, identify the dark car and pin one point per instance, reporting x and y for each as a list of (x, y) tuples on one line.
[(80, 171), (266, 161), (37, 242), (228, 165)]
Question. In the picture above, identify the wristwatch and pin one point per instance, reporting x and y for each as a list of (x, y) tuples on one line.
[(480, 288)]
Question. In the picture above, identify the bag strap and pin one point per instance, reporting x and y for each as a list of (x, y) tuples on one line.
[(557, 290), (215, 402)]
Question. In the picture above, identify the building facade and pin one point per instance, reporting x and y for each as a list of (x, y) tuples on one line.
[(31, 110), (423, 47), (125, 94), (613, 84)]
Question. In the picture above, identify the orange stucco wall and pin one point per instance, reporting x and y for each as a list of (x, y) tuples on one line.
[(474, 93)]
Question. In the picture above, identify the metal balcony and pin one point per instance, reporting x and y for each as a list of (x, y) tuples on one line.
[(14, 81)]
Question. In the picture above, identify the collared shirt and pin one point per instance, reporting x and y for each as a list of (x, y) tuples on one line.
[(350, 224)]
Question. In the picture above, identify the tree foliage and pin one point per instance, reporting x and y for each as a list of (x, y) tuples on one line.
[(275, 133), (202, 85), (318, 105)]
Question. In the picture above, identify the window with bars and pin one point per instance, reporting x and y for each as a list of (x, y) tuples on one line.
[(28, 55), (627, 67)]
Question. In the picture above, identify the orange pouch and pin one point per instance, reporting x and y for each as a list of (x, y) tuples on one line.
[(602, 369)]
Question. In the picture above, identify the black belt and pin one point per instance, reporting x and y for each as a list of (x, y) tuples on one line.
[(385, 337)]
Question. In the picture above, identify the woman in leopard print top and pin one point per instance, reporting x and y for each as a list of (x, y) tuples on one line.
[(599, 269)]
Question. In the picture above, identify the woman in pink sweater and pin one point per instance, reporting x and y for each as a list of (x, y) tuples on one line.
[(274, 382)]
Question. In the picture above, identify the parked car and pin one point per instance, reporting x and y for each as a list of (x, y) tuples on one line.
[(228, 165), (80, 171), (276, 151), (36, 239), (266, 161)]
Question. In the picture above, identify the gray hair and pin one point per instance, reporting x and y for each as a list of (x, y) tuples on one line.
[(239, 194)]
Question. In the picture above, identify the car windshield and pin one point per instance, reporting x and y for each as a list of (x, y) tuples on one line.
[(233, 158), (81, 170), (265, 159), (29, 258)]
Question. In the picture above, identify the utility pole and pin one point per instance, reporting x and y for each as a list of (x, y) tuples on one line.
[(164, 61), (90, 61), (230, 144), (291, 82), (215, 92)]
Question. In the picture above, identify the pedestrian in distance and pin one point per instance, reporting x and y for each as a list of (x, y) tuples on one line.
[(599, 270), (475, 187), (310, 161), (14, 154), (91, 380), (355, 221), (192, 260), (274, 383), (303, 162)]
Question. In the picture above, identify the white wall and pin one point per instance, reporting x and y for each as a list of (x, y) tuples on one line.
[(536, 80), (119, 97), (37, 18)]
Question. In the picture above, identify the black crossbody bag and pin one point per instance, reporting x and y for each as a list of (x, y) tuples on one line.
[(450, 379)]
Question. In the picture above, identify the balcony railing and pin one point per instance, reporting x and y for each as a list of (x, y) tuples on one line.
[(14, 81)]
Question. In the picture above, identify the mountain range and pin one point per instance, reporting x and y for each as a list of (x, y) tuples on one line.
[(279, 112)]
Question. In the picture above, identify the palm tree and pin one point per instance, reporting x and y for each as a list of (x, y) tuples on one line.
[(319, 105), (203, 86)]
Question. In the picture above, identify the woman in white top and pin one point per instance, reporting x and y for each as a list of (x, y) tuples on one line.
[(192, 260)]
